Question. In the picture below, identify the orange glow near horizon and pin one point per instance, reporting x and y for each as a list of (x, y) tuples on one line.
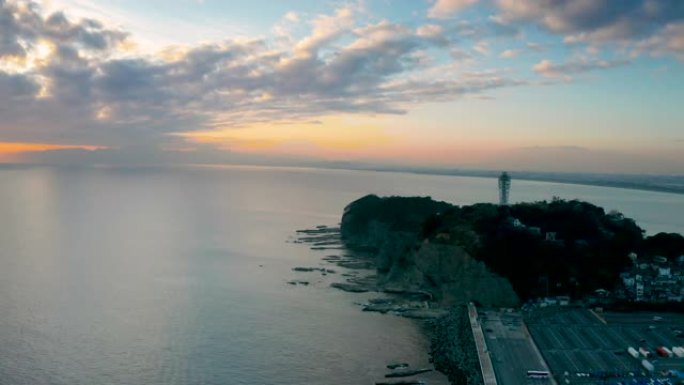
[(333, 135), (351, 138), (10, 151)]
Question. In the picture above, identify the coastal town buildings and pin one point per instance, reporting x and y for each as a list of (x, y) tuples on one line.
[(658, 280)]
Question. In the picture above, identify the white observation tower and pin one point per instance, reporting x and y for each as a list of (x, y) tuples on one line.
[(504, 188)]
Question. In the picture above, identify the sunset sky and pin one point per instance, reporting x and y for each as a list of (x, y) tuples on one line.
[(542, 85)]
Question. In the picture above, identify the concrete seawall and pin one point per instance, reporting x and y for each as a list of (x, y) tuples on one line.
[(486, 367)]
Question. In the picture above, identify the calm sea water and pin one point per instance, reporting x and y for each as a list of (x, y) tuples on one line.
[(178, 276)]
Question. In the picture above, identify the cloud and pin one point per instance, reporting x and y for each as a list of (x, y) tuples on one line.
[(654, 23), (430, 31), (509, 53), (67, 81), (445, 8), (492, 27), (548, 68), (599, 20), (536, 47), (292, 17), (24, 28), (529, 47), (326, 28), (670, 41), (482, 47)]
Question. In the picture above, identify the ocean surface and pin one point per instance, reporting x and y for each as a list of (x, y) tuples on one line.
[(179, 276)]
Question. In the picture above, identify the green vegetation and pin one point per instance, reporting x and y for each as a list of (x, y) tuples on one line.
[(559, 247), (669, 245), (394, 214)]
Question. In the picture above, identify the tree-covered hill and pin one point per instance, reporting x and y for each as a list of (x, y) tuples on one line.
[(555, 247)]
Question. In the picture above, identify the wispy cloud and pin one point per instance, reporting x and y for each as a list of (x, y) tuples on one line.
[(445, 8), (577, 66), (509, 53)]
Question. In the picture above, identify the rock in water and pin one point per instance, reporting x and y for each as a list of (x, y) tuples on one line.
[(349, 287), (401, 383), (407, 373), (306, 269)]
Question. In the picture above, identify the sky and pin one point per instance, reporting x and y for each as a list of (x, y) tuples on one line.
[(537, 85)]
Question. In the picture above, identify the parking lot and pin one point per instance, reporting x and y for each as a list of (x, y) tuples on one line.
[(577, 343)]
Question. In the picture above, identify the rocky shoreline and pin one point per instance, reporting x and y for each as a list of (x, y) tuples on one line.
[(405, 302), (436, 321), (453, 347)]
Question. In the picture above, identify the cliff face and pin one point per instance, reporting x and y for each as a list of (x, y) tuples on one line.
[(392, 229), (449, 273)]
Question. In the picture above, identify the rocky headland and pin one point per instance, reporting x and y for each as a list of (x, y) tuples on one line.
[(390, 230), (425, 281)]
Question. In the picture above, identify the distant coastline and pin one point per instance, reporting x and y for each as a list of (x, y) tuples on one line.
[(659, 183), (673, 184)]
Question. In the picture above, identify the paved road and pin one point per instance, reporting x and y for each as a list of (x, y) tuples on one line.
[(511, 349)]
